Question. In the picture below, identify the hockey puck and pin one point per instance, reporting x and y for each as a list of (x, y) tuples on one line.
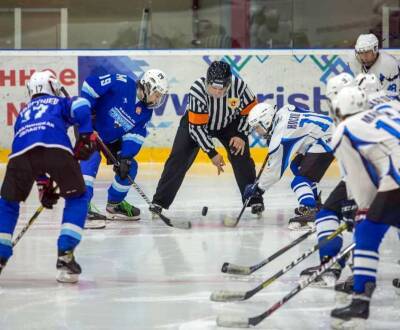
[(204, 211)]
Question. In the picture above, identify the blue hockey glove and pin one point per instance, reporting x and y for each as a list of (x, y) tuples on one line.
[(122, 170), (252, 190)]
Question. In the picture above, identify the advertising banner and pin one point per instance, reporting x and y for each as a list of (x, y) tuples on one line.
[(295, 77)]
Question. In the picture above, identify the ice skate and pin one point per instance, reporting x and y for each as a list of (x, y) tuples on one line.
[(353, 315), (155, 209), (68, 268), (122, 211), (94, 219), (326, 280), (304, 221)]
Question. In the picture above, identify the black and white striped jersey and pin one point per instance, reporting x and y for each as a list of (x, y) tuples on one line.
[(208, 114)]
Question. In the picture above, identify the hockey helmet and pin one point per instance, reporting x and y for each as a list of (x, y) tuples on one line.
[(366, 43), (349, 101), (335, 84), (369, 83), (261, 118), (43, 82), (219, 75), (154, 84)]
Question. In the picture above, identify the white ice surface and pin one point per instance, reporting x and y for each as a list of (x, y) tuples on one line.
[(144, 275)]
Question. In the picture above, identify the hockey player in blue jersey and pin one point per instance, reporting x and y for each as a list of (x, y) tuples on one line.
[(122, 108), (293, 132), (366, 143), (42, 151)]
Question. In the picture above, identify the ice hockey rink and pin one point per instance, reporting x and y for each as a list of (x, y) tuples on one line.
[(145, 275)]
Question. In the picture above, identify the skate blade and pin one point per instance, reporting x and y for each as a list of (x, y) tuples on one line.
[(64, 276), (353, 324), (95, 224), (120, 217)]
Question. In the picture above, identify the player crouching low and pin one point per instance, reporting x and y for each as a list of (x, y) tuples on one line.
[(42, 151), (293, 132)]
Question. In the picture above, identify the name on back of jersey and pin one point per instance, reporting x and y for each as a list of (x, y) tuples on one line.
[(293, 121)]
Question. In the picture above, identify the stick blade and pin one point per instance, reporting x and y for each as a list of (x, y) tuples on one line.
[(235, 269), (225, 296), (182, 224), (230, 222), (229, 321)]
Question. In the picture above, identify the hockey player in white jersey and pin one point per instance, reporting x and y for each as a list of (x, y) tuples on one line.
[(335, 208), (368, 58), (293, 131), (366, 142)]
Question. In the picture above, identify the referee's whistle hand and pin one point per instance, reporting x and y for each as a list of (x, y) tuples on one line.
[(219, 162), (237, 145)]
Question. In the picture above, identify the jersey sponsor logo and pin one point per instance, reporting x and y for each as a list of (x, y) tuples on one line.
[(233, 103), (121, 118)]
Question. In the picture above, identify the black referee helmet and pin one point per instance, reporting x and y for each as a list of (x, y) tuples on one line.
[(219, 74)]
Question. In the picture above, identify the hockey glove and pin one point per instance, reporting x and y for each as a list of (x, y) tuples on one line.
[(85, 146), (252, 190), (47, 195), (349, 210), (122, 170)]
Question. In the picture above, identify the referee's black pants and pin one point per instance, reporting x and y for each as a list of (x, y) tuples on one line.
[(183, 154)]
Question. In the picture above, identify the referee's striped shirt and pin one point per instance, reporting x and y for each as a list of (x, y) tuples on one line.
[(207, 113)]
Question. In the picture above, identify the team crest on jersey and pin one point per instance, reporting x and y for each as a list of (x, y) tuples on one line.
[(138, 110), (233, 102)]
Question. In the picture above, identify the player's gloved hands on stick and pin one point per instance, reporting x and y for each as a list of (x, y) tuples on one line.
[(219, 162), (349, 210), (252, 190), (122, 170), (237, 146), (47, 195), (85, 146)]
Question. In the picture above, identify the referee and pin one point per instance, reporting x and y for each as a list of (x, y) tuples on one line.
[(218, 107)]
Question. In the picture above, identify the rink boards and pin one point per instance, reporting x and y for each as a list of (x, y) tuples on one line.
[(281, 76)]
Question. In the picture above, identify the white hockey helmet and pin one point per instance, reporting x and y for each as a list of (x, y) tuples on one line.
[(154, 82), (262, 115), (366, 43), (336, 83), (349, 101), (369, 83), (43, 82)]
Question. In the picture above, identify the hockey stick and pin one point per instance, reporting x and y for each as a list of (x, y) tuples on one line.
[(109, 155), (247, 270), (29, 223), (225, 295), (230, 222), (229, 321)]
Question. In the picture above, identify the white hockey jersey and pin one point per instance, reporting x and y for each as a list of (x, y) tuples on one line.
[(386, 68), (295, 131), (367, 145)]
